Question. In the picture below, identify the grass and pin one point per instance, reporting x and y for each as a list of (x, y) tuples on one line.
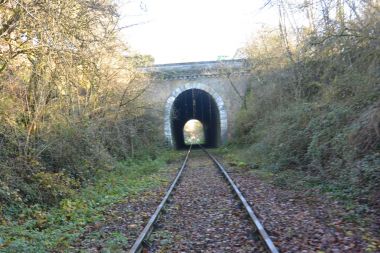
[(299, 181), (35, 229)]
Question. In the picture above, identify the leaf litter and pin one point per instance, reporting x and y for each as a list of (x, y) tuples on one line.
[(304, 222), (204, 215)]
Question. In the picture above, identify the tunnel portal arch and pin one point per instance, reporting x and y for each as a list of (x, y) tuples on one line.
[(221, 129)]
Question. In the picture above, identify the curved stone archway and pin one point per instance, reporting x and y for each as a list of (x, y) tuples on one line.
[(169, 106)]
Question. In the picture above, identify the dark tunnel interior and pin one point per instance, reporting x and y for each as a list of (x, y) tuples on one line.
[(195, 104)]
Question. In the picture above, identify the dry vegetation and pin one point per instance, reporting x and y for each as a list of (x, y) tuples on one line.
[(313, 110), (69, 98)]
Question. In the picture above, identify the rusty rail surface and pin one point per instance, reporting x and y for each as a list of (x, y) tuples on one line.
[(260, 228), (139, 243)]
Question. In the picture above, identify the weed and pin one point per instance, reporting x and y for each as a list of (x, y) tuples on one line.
[(37, 229)]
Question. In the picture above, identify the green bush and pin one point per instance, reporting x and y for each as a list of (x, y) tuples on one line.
[(36, 228), (54, 186), (322, 130), (66, 157), (76, 152)]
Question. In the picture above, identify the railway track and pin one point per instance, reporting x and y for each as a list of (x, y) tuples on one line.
[(225, 214)]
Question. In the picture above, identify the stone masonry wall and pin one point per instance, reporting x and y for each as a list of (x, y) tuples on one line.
[(168, 81)]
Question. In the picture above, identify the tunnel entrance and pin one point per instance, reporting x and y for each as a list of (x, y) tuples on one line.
[(200, 105)]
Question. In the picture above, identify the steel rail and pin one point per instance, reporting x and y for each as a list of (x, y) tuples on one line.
[(263, 234), (138, 245)]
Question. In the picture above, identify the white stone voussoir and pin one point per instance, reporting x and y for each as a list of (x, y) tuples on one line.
[(188, 86)]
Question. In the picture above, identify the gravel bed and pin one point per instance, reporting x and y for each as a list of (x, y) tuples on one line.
[(203, 215), (126, 219), (300, 222)]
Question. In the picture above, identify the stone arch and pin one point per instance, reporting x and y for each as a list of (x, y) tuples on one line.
[(218, 100)]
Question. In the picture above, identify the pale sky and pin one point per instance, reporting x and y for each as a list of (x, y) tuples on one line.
[(193, 30)]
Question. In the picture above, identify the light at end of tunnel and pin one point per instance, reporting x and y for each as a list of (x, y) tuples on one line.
[(193, 132)]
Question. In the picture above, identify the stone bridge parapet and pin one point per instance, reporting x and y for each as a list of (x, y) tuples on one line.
[(195, 70)]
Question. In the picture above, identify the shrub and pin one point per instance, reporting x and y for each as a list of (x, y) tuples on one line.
[(315, 119), (54, 186)]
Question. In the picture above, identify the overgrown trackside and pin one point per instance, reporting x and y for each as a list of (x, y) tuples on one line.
[(313, 110), (37, 229), (69, 100)]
